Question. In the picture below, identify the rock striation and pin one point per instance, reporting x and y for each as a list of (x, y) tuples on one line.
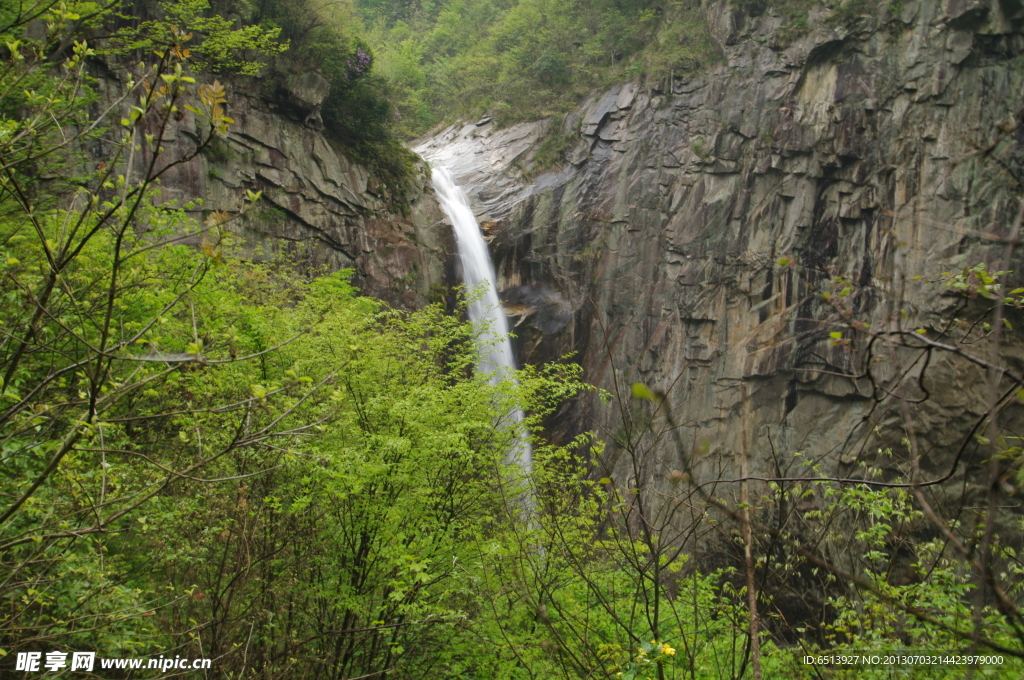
[(319, 209), (861, 154)]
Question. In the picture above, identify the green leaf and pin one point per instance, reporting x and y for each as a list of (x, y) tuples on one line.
[(641, 391)]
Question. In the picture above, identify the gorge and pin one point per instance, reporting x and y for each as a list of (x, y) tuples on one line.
[(736, 284), (869, 156), (699, 225)]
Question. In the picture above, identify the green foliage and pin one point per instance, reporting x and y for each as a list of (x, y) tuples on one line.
[(198, 451), (365, 524), (219, 151), (682, 46), (550, 67), (912, 601), (221, 46), (80, 324), (975, 281), (143, 380), (527, 59), (361, 118), (797, 24), (610, 599)]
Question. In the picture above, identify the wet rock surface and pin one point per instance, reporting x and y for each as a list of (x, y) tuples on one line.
[(877, 151)]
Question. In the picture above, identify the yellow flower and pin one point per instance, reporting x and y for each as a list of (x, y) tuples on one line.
[(665, 649)]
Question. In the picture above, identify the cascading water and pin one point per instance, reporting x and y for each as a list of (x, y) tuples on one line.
[(485, 311)]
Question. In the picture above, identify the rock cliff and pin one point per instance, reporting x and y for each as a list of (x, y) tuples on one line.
[(319, 208), (865, 152)]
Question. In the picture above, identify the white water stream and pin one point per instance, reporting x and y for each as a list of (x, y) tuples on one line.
[(485, 311)]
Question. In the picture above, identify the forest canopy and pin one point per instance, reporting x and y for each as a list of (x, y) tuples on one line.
[(528, 59)]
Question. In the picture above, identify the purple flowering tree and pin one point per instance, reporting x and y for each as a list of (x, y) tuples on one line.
[(358, 65)]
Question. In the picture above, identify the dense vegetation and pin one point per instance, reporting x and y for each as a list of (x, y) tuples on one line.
[(207, 457), (523, 60)]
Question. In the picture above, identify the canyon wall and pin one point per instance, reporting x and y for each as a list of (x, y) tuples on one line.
[(693, 236), (319, 210)]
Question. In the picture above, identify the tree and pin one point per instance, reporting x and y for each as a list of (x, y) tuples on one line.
[(98, 322)]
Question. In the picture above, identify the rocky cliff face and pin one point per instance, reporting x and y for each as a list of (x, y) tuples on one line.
[(875, 150), (319, 209)]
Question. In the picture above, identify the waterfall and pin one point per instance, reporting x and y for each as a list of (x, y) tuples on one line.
[(485, 311)]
